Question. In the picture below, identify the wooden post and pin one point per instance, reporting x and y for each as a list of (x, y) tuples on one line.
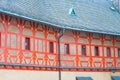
[(5, 21), (21, 26), (90, 42), (113, 41), (103, 56)]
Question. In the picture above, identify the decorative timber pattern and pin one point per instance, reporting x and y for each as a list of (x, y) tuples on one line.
[(13, 34)]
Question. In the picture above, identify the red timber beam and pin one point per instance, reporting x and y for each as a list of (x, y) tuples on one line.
[(90, 43), (113, 42), (102, 41), (76, 36), (1, 32), (46, 29), (5, 19), (34, 27), (56, 33), (21, 26), (109, 61)]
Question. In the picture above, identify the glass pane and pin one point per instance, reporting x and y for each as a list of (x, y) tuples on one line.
[(118, 52), (51, 47), (67, 48), (108, 52), (27, 43), (96, 51), (83, 50)]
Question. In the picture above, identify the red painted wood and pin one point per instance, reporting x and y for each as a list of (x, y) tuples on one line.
[(50, 60)]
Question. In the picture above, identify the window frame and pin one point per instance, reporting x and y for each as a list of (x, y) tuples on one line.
[(118, 54), (82, 50), (108, 48), (67, 51), (51, 47), (95, 51), (27, 43)]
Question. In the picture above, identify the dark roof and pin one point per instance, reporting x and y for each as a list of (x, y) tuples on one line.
[(90, 15)]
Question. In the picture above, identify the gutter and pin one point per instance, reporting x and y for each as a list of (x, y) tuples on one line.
[(59, 56)]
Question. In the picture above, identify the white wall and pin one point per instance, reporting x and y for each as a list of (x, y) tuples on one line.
[(52, 75)]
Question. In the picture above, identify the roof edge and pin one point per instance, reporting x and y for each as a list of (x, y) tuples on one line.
[(58, 25)]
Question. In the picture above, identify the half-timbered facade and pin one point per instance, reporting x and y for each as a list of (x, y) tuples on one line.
[(29, 48)]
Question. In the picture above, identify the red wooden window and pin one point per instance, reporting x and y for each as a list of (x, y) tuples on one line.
[(83, 50), (66, 49), (51, 47), (27, 43), (96, 51), (118, 52), (108, 52)]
